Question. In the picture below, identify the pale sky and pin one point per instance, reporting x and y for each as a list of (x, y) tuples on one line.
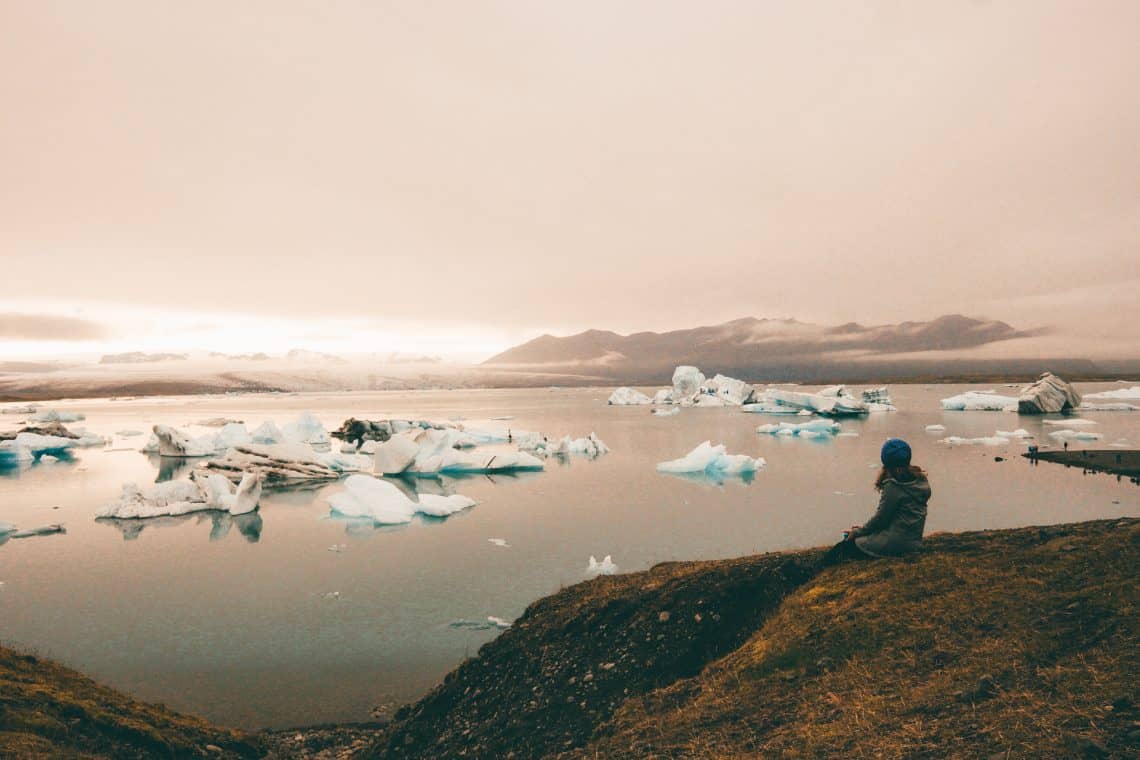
[(455, 177)]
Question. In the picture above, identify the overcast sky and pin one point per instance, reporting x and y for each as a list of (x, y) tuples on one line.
[(460, 176)]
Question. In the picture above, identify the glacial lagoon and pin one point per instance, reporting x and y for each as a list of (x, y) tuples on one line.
[(287, 616)]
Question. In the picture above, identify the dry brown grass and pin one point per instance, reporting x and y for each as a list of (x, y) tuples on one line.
[(989, 646)]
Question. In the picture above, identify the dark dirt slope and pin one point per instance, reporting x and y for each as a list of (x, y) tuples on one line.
[(1017, 643), (49, 711), (572, 658)]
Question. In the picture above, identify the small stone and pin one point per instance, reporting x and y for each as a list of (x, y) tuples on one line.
[(608, 666), (1068, 548), (697, 617), (209, 747), (588, 677), (663, 617)]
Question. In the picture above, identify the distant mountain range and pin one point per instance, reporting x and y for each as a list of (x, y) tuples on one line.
[(776, 349)]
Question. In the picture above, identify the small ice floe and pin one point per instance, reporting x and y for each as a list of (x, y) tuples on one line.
[(52, 415), (605, 567), (338, 548), (1019, 434), (499, 542), (990, 440), (179, 497), (668, 411), (1120, 444), (767, 407), (331, 595), (1075, 435), (935, 428), (491, 622), (219, 422), (812, 429), (1111, 407), (1123, 394), (712, 460), (498, 622), (503, 417), (628, 397), (979, 401), (848, 434), (1073, 422), (43, 530), (369, 498), (590, 446), (31, 447), (22, 409), (128, 433)]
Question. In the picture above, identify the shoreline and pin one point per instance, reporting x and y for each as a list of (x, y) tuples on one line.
[(729, 656)]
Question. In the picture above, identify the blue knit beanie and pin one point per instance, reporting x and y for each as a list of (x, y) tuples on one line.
[(895, 453)]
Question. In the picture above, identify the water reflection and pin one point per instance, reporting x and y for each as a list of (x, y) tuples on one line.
[(713, 479), (171, 468), (248, 525)]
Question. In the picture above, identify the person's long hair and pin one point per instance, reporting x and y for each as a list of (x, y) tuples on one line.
[(902, 474)]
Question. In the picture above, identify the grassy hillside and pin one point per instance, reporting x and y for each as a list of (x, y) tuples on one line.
[(1018, 643), (49, 711)]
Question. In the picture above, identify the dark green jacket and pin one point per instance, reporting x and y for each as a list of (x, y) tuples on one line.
[(896, 527)]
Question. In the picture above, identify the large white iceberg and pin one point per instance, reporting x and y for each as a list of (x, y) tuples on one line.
[(203, 491), (811, 429), (976, 401), (625, 396), (687, 383), (431, 452), (712, 460), (834, 401), (729, 390), (1124, 394), (366, 497)]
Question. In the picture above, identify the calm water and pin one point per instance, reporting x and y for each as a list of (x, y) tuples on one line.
[(230, 618)]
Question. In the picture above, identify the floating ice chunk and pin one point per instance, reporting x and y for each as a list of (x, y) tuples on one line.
[(231, 434), (498, 622), (27, 409), (1125, 394), (668, 411), (499, 542), (1121, 444), (220, 493), (687, 383), (625, 396), (267, 433), (395, 455), (847, 435), (663, 396), (454, 461), (175, 497), (29, 447), (1119, 407), (832, 402), (306, 429), (811, 429), (44, 530), (52, 415), (977, 401), (218, 422), (173, 442), (1075, 435), (590, 446), (712, 460), (280, 463), (935, 428), (503, 417), (878, 399), (1075, 422), (1019, 433), (705, 400), (1048, 395), (151, 445), (768, 407), (381, 502), (605, 567), (729, 390), (128, 433), (338, 548), (992, 440), (7, 527)]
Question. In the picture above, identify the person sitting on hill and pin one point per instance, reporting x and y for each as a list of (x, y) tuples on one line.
[(896, 528)]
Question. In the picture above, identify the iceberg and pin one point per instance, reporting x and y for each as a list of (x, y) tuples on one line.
[(281, 463), (769, 407), (395, 455), (976, 401), (590, 446), (44, 530), (1019, 433), (1075, 435), (830, 402), (30, 447), (687, 382), (173, 442), (992, 440), (179, 497), (668, 411), (628, 397), (1110, 407), (811, 429), (706, 400), (369, 498), (1050, 394), (267, 433), (605, 567), (878, 400), (306, 429), (28, 409), (1077, 421), (712, 460), (1122, 394), (729, 390), (935, 428), (51, 415), (663, 397)]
